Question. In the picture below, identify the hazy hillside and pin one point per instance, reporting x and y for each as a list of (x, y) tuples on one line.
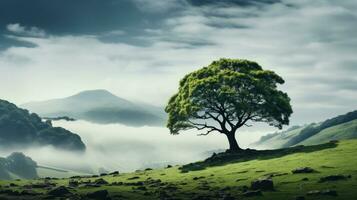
[(100, 106), (17, 165), (337, 128), (19, 127)]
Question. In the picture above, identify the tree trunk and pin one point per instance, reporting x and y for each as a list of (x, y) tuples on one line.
[(233, 145)]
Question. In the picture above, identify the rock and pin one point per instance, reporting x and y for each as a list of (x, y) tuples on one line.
[(228, 197), (334, 178), (73, 183), (114, 173), (323, 192), (59, 192), (303, 170), (252, 193), (98, 195), (300, 198), (197, 178), (133, 178), (143, 188), (29, 193), (169, 166), (148, 169), (101, 182), (263, 184)]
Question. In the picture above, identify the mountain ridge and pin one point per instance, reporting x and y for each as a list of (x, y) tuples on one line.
[(313, 133), (100, 106)]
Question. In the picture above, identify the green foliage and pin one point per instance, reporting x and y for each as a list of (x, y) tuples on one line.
[(229, 92)]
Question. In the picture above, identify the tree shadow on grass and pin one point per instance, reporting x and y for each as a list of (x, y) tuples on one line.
[(221, 159)]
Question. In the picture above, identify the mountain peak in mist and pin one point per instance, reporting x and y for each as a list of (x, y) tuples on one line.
[(100, 106)]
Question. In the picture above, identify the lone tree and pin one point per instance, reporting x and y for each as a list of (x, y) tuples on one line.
[(224, 96)]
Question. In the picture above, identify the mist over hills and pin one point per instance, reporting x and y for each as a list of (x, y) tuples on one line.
[(100, 106), (337, 128), (17, 165), (19, 127)]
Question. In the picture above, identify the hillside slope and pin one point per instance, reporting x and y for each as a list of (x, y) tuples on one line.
[(229, 181), (16, 166), (20, 127), (100, 106), (337, 128), (346, 130)]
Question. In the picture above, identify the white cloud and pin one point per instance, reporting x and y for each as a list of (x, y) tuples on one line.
[(26, 31), (311, 45)]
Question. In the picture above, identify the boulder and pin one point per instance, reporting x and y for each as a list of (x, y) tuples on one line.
[(303, 170), (300, 198), (98, 195), (252, 193), (262, 184), (322, 192), (334, 178), (101, 182), (59, 192)]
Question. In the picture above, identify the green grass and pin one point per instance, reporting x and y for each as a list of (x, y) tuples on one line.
[(232, 176), (346, 130)]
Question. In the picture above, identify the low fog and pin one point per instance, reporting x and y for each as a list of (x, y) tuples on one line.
[(118, 147)]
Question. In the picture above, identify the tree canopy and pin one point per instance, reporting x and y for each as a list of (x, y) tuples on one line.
[(224, 96)]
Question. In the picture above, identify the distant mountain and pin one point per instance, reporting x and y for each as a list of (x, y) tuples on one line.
[(17, 166), (337, 128), (100, 106), (19, 127)]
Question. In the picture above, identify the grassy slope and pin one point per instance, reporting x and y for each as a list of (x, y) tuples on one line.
[(338, 160), (346, 130), (279, 140), (342, 131)]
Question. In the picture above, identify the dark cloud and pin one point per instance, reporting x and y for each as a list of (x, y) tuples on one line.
[(232, 2)]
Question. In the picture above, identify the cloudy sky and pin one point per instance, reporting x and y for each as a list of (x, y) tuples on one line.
[(139, 49)]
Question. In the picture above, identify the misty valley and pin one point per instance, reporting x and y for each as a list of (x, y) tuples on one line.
[(178, 100)]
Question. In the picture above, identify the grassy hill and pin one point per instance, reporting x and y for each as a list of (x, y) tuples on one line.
[(346, 130), (224, 180), (337, 128)]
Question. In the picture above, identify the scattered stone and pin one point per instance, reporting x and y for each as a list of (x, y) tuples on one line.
[(228, 197), (197, 178), (133, 178), (252, 193), (98, 195), (29, 193), (334, 178), (303, 170), (323, 192), (300, 198), (101, 182), (73, 183), (114, 173), (263, 184), (59, 192), (141, 188)]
